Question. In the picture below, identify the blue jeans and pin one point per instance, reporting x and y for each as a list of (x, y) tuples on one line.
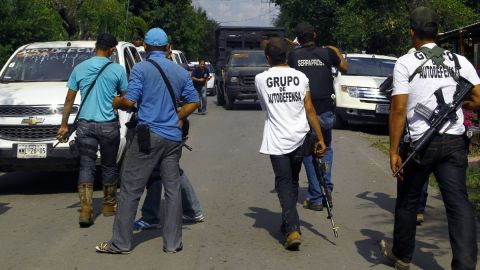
[(315, 194), (91, 135), (202, 94)]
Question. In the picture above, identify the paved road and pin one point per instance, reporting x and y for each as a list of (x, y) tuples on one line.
[(39, 230)]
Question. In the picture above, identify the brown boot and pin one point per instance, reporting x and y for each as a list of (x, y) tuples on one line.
[(109, 199), (85, 192)]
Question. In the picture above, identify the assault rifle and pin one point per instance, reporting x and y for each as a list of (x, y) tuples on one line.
[(320, 167), (443, 114)]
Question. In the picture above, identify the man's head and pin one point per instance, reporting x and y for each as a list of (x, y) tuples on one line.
[(305, 33), (424, 24), (156, 40), (137, 41), (105, 44), (276, 51), (201, 64)]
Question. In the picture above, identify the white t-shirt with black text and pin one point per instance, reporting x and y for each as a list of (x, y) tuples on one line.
[(282, 91), (421, 89)]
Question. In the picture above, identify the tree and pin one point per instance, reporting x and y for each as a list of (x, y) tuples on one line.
[(26, 21)]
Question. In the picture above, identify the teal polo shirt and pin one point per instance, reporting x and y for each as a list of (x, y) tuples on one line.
[(98, 106)]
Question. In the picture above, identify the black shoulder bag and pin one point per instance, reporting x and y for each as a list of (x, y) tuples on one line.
[(73, 144)]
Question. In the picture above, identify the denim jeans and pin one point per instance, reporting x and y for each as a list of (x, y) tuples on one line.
[(286, 169), (151, 205), (202, 94), (89, 136), (136, 171), (315, 194), (446, 157)]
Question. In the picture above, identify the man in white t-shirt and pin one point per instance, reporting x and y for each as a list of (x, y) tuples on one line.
[(445, 156), (285, 97)]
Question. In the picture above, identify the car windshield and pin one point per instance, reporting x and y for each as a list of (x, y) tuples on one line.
[(46, 65), (248, 59), (376, 67)]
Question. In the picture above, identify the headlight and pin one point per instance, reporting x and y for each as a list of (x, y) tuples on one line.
[(234, 79), (351, 90)]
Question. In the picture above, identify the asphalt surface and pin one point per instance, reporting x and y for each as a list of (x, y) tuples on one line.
[(39, 229)]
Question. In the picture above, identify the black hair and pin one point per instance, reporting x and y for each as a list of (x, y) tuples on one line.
[(428, 32), (276, 50), (101, 47), (306, 37), (201, 60), (151, 48)]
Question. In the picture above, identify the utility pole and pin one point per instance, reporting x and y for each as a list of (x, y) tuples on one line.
[(126, 21)]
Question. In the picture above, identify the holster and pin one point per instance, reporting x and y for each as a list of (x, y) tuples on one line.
[(143, 138)]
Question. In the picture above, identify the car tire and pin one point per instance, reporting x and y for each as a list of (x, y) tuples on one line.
[(220, 98), (229, 102), (339, 122)]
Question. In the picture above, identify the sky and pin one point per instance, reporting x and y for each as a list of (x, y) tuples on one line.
[(239, 12)]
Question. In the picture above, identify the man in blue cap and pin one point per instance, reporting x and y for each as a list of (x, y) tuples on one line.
[(155, 87)]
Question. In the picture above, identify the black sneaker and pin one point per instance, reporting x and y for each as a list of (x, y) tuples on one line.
[(312, 206), (387, 252), (173, 251)]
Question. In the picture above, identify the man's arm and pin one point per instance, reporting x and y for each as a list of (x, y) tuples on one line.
[(320, 146), (398, 114), (67, 109), (343, 66), (473, 102)]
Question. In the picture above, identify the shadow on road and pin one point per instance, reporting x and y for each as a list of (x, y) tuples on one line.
[(382, 200), (369, 249), (32, 183), (4, 207), (27, 183), (270, 221)]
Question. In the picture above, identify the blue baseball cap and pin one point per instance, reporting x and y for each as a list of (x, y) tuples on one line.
[(156, 37)]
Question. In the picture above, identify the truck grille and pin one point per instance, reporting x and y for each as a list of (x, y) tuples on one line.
[(248, 80), (371, 95), (12, 110), (28, 133)]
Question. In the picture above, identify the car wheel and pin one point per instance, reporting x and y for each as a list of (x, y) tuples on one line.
[(228, 101), (220, 98), (339, 122)]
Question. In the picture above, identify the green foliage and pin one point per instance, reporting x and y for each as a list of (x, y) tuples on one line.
[(374, 26), (26, 21)]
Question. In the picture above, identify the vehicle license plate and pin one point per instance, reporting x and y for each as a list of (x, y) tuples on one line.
[(31, 151), (382, 108)]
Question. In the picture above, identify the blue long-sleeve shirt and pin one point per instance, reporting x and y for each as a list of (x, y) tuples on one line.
[(155, 107)]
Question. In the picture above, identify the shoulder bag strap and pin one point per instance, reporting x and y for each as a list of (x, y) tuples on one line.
[(90, 90), (167, 82)]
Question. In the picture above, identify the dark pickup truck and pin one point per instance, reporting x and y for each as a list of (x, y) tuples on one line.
[(239, 58)]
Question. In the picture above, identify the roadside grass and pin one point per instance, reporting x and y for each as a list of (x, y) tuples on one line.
[(473, 174)]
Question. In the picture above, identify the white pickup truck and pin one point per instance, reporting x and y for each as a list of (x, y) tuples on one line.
[(32, 94)]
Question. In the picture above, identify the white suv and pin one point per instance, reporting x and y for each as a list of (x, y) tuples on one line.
[(358, 98), (32, 94)]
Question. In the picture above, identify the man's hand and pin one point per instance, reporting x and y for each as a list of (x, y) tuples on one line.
[(395, 164), (116, 102), (319, 149), (61, 134)]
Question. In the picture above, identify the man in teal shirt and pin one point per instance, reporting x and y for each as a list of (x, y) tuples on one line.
[(98, 124)]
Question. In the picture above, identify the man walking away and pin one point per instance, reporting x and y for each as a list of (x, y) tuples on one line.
[(156, 143), (445, 156), (200, 78), (317, 65), (285, 97), (98, 124)]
